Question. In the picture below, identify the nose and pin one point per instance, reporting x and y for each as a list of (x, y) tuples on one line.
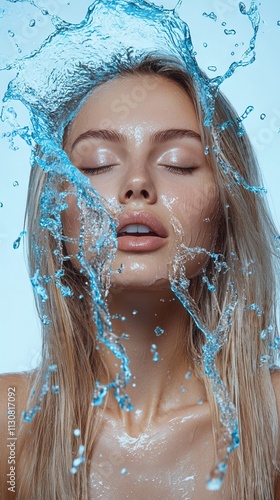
[(138, 186)]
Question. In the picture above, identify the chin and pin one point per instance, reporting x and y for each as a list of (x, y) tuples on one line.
[(139, 278)]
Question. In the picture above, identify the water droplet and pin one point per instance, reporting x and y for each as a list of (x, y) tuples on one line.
[(210, 286), (32, 23), (53, 368), (16, 243), (262, 116), (206, 150), (247, 111), (158, 331), (232, 53), (255, 307), (154, 352), (16, 183), (212, 68), (205, 44), (77, 432), (263, 334), (212, 15), (123, 471), (125, 336), (11, 33), (265, 358), (200, 402), (55, 389), (73, 470), (134, 312), (1, 204), (224, 23), (229, 32), (182, 388), (214, 484), (188, 375), (45, 320), (278, 23)]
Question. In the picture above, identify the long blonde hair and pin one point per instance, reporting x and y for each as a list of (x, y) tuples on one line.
[(246, 240)]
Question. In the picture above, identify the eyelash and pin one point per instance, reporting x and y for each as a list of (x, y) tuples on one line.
[(169, 168), (95, 171), (180, 170)]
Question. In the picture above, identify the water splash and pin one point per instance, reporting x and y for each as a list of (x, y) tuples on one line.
[(243, 117), (81, 57), (214, 341), (28, 416)]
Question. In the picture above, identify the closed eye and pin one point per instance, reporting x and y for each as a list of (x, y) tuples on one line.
[(180, 170), (96, 170)]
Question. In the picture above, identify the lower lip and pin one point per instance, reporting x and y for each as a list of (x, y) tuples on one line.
[(140, 243)]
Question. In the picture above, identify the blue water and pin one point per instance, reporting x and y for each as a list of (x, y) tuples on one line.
[(80, 56)]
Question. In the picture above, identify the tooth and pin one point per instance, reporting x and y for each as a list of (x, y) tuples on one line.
[(142, 229), (136, 228), (131, 228)]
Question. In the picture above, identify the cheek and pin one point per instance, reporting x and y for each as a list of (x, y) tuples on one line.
[(199, 217)]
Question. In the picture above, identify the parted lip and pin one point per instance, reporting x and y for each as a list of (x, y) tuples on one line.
[(145, 218)]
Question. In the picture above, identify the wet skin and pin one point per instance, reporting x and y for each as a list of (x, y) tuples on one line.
[(154, 165), (151, 162)]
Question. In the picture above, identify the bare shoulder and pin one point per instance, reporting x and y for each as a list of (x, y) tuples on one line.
[(14, 385), (14, 393)]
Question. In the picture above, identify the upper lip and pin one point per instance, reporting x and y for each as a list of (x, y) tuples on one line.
[(144, 218)]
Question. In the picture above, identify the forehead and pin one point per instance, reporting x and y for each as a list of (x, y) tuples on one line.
[(149, 101)]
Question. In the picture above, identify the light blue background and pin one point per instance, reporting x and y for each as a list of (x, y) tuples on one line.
[(256, 85)]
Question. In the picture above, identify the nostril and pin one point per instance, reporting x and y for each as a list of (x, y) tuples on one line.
[(129, 193), (145, 193)]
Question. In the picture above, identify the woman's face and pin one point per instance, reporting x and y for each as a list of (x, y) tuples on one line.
[(137, 139)]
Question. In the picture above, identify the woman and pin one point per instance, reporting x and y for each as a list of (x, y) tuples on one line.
[(178, 208)]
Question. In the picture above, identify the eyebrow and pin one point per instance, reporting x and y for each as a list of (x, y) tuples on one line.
[(114, 136)]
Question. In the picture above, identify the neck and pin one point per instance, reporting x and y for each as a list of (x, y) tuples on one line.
[(158, 384)]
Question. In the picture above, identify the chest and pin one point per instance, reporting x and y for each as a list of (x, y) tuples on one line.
[(170, 461)]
